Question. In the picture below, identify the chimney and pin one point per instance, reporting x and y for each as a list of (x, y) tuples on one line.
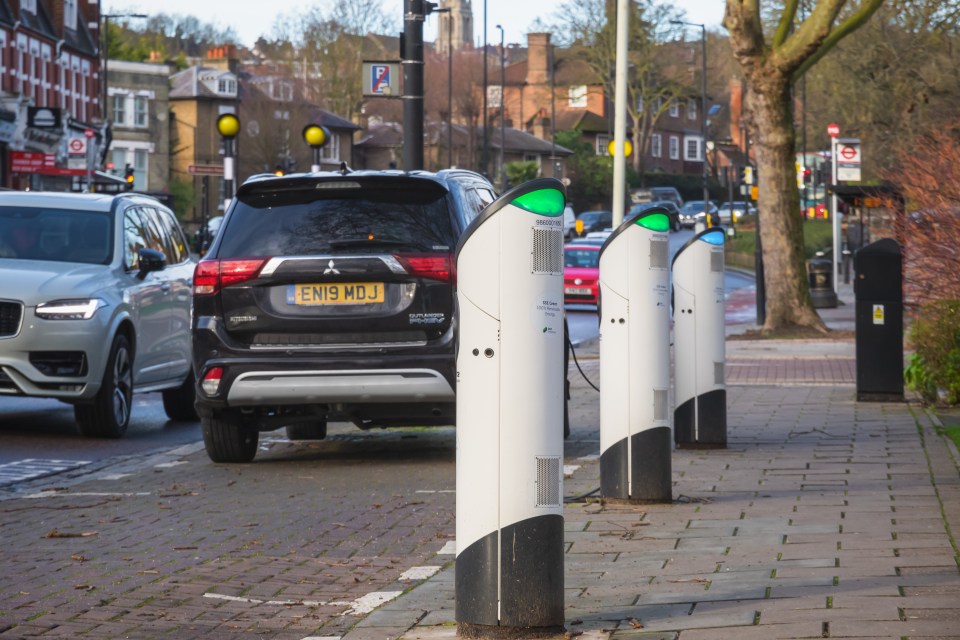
[(55, 11), (538, 58)]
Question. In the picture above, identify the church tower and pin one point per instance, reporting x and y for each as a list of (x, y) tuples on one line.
[(460, 30)]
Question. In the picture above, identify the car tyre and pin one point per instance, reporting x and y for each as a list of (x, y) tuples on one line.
[(109, 413), (226, 441), (307, 431), (178, 403)]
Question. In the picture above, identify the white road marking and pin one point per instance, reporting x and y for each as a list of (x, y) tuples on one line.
[(82, 494), (369, 602), (568, 469), (419, 573), (30, 468), (449, 549)]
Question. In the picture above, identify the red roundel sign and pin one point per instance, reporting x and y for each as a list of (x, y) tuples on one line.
[(833, 129)]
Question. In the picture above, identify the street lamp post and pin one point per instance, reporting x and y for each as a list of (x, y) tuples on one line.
[(703, 103), (503, 115), (483, 149)]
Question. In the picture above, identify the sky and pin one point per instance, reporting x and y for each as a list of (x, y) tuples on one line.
[(247, 19)]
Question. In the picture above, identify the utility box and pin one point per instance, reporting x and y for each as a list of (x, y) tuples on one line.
[(635, 436), (510, 400), (878, 289)]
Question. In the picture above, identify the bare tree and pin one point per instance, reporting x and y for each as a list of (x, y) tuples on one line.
[(331, 40), (589, 28), (771, 63)]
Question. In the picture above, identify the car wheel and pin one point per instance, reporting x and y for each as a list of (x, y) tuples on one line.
[(226, 441), (307, 431), (178, 402), (109, 413)]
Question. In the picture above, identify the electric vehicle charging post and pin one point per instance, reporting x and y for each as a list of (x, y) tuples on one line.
[(635, 437), (699, 349), (510, 387)]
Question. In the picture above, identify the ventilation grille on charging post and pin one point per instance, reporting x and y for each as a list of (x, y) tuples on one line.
[(716, 261), (548, 481), (659, 254), (547, 251)]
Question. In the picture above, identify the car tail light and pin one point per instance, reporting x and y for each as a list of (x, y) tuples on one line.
[(429, 265), (211, 381), (212, 275)]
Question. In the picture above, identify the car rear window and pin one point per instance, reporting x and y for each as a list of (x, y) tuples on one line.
[(319, 219)]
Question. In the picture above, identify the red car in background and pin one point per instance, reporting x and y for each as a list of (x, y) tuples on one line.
[(581, 273)]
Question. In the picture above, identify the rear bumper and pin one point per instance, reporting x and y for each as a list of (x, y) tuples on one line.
[(351, 375), (358, 386)]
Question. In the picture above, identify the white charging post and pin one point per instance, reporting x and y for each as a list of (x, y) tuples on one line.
[(510, 387), (699, 349), (635, 437)]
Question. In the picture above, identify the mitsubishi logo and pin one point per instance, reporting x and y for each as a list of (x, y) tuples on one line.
[(331, 269)]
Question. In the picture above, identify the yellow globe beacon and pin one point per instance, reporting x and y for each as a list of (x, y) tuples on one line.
[(228, 125), (315, 135)]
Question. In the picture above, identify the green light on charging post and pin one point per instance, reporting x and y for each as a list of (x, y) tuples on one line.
[(655, 222), (545, 202)]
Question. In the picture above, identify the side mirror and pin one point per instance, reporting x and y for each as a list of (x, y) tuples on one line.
[(150, 260)]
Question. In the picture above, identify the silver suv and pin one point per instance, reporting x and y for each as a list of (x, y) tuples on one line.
[(95, 304)]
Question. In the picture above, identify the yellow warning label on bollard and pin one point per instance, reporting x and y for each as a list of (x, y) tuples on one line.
[(878, 314)]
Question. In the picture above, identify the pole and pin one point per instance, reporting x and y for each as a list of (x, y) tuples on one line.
[(620, 114), (412, 64), (553, 117), (449, 87), (483, 148), (703, 117), (503, 114), (835, 216)]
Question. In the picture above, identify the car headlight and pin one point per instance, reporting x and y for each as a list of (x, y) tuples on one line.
[(69, 309)]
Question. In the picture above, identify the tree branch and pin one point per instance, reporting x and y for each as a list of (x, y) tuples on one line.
[(786, 22), (845, 28)]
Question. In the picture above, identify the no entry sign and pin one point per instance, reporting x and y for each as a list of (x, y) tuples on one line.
[(833, 130)]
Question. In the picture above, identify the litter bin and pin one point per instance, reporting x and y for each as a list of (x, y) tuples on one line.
[(820, 277), (878, 289)]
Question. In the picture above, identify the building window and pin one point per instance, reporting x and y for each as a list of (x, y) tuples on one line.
[(140, 111), (29, 5), (674, 148), (674, 109), (602, 145), (691, 109), (140, 165), (70, 14), (227, 86), (330, 152), (120, 109), (577, 96), (692, 149), (656, 145)]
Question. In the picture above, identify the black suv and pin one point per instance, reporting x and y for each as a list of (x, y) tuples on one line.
[(330, 296)]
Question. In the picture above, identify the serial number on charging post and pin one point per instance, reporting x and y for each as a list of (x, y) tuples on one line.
[(335, 293)]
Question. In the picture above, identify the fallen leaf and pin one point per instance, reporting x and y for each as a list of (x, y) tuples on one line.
[(78, 557), (636, 624), (84, 587), (53, 533), (148, 571)]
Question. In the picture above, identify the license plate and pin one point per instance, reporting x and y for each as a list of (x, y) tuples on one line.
[(576, 291), (335, 293)]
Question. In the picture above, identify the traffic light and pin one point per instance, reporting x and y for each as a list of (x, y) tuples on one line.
[(807, 175), (128, 177), (278, 170), (746, 175)]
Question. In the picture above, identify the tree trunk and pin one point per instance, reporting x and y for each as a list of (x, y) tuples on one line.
[(781, 225)]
